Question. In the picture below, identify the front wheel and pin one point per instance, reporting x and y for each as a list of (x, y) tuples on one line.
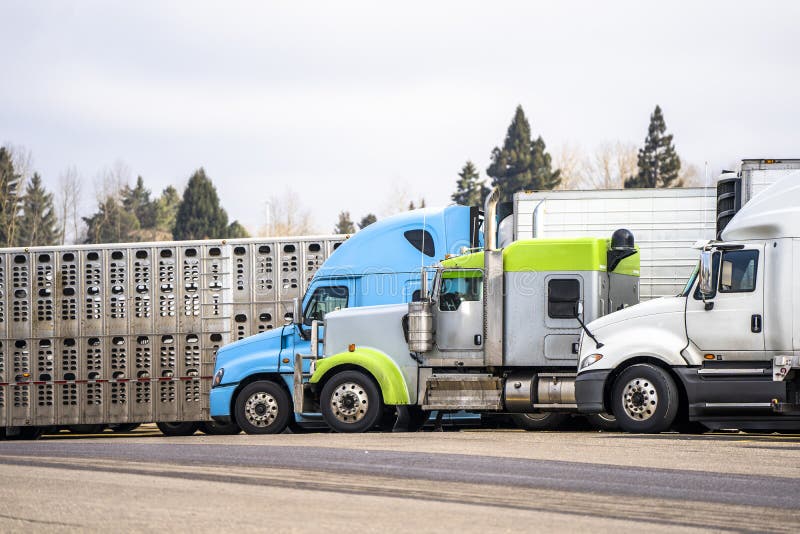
[(645, 399), (351, 402), (263, 407), (539, 420)]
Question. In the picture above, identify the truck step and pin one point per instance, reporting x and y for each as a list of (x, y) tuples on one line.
[(463, 392)]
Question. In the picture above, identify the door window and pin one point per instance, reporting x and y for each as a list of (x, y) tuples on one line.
[(563, 295), (324, 300), (458, 287), (738, 273)]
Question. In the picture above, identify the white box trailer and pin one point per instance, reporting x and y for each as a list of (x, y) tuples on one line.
[(665, 223)]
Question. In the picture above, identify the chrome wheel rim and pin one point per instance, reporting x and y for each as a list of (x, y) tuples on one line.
[(538, 416), (261, 409), (349, 402), (640, 399)]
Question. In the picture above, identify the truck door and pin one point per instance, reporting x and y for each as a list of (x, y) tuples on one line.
[(459, 310), (734, 327)]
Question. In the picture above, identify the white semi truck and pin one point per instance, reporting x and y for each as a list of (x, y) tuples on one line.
[(498, 333), (726, 351)]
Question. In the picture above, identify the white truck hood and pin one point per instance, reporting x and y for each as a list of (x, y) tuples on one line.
[(664, 305)]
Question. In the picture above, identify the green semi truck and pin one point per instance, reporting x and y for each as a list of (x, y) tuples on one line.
[(498, 333)]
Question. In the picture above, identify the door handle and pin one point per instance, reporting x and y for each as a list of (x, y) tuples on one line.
[(755, 323)]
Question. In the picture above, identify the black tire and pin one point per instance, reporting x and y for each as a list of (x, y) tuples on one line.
[(178, 428), (603, 421), (263, 407), (689, 427), (86, 429), (351, 402), (539, 420), (213, 428), (645, 399), (124, 427), (27, 433)]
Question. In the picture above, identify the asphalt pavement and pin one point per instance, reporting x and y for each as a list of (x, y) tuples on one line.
[(424, 481)]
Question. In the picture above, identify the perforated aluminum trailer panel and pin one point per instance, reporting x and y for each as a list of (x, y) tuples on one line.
[(128, 332)]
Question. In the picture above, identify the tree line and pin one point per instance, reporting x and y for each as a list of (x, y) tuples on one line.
[(523, 163), (28, 214)]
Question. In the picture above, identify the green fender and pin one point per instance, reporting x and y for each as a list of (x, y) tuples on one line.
[(379, 365)]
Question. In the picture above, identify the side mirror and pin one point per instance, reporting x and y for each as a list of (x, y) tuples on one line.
[(706, 274), (296, 316)]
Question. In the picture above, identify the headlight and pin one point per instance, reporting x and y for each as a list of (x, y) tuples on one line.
[(218, 377), (590, 360)]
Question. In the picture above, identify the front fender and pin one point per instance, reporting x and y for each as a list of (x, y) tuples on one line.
[(249, 362), (383, 368), (626, 344)]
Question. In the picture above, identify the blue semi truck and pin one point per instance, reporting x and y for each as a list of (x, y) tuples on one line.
[(378, 265)]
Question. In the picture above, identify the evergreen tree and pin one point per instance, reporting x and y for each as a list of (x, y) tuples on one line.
[(236, 230), (37, 225), (137, 201), (112, 223), (9, 198), (470, 190), (522, 163), (659, 164), (366, 220), (345, 225), (200, 215), (166, 209)]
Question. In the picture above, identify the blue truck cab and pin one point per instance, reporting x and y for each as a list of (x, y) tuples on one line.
[(378, 265)]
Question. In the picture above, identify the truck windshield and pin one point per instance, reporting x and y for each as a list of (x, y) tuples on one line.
[(688, 287), (325, 299)]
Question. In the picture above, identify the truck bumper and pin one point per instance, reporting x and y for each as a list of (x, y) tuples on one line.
[(589, 389), (220, 401)]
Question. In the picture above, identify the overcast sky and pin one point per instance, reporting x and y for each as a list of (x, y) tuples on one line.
[(348, 103)]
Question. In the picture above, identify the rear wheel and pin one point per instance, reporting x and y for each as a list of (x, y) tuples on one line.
[(263, 407), (603, 421), (182, 428), (539, 420), (213, 428), (351, 402), (645, 399)]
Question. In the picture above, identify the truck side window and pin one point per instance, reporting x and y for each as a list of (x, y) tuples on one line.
[(324, 300), (738, 273), (460, 287), (563, 296), (421, 240)]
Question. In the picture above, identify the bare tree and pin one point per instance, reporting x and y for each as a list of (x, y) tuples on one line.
[(69, 203), (610, 164), (571, 161), (285, 216), (690, 176)]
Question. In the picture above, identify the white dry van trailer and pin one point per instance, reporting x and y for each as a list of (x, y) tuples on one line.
[(127, 333), (666, 222), (725, 352)]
